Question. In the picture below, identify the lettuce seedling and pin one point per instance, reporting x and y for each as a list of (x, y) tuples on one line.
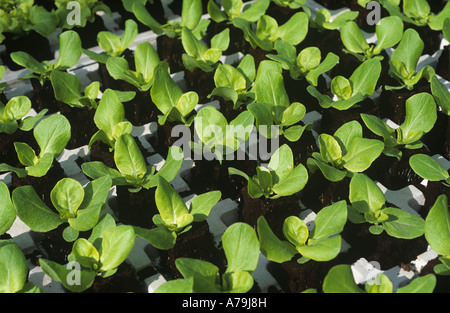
[(198, 55), (340, 280), (132, 169), (217, 136), (404, 61), (421, 115), (234, 83), (174, 217), (14, 270), (322, 19), (349, 92), (69, 54), (389, 32), (110, 120), (87, 13), (417, 12), (368, 205), (241, 248), (145, 59), (307, 64), (7, 210), (112, 44), (437, 233), (274, 114), (52, 135), (440, 93), (12, 115), (429, 169), (100, 255), (293, 4), (345, 153), (321, 244), (19, 17), (280, 179), (176, 106), (268, 31), (191, 18), (233, 9), (74, 204)]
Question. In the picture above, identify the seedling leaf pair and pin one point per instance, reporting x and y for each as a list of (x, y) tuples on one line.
[(429, 169), (12, 115)]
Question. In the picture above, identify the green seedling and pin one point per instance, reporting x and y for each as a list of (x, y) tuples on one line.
[(13, 115), (345, 153), (321, 244), (322, 19), (368, 205), (280, 179), (87, 12), (7, 210), (233, 9), (429, 169)]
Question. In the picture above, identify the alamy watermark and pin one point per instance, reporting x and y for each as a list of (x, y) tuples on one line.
[(374, 16), (74, 15)]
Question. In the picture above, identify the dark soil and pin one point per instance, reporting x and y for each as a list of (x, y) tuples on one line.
[(438, 139), (274, 211), (44, 97), (100, 152), (138, 208), (8, 153), (201, 82), (320, 192), (82, 126), (443, 66), (296, 89), (88, 34), (171, 51), (431, 192), (327, 41)]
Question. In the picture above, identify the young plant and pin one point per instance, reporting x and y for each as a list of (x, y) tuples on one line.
[(176, 106), (52, 135), (87, 12), (274, 114), (7, 210), (145, 59), (349, 92), (345, 153), (174, 217), (233, 9), (307, 64), (110, 120), (417, 12), (191, 18), (69, 54), (389, 32), (198, 55), (268, 31), (340, 280), (12, 115), (421, 115), (437, 233), (112, 44), (280, 179), (429, 169), (241, 248), (368, 205), (321, 244), (19, 17), (322, 19), (440, 93), (14, 270), (75, 205), (404, 61), (234, 83), (217, 136), (132, 169), (100, 255), (293, 4)]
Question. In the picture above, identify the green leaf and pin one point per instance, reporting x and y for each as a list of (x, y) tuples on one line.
[(97, 170), (170, 168), (362, 153), (293, 182), (146, 60), (116, 246), (409, 50), (353, 38), (329, 172), (33, 211), (269, 88), (145, 18), (129, 159), (424, 284), (293, 114), (330, 150), (273, 248), (417, 9), (25, 154), (330, 220), (171, 206), (69, 50), (340, 280), (86, 254), (364, 79), (109, 113), (7, 210), (202, 205), (27, 61), (365, 195), (295, 231), (437, 229), (204, 273), (17, 108), (67, 196), (440, 93), (237, 282), (67, 87), (179, 285), (389, 32), (13, 267), (52, 134), (241, 248), (402, 224), (165, 92), (191, 13), (295, 29), (347, 133), (322, 250), (158, 237), (221, 41), (428, 168)]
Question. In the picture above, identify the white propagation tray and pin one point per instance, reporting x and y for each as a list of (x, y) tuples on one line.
[(225, 212)]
